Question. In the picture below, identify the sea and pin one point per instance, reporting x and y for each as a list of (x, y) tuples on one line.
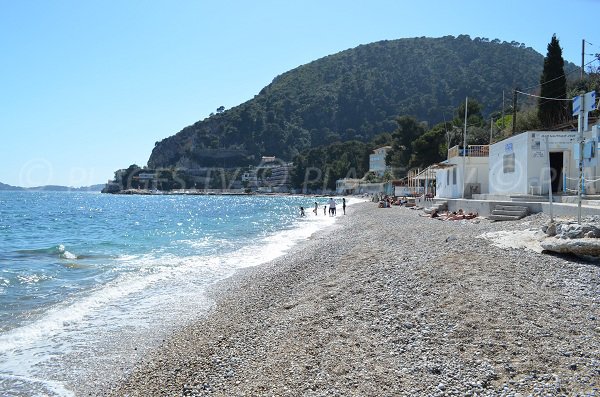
[(90, 283)]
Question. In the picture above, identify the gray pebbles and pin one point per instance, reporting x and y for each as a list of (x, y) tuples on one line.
[(388, 303)]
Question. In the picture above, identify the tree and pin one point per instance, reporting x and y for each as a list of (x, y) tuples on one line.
[(430, 147), (383, 139), (408, 130), (474, 115), (554, 85)]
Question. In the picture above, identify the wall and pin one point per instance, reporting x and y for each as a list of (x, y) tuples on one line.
[(446, 184), (515, 182), (476, 171), (538, 166)]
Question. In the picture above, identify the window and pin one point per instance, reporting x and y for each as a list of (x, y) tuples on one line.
[(454, 176), (509, 163), (447, 177)]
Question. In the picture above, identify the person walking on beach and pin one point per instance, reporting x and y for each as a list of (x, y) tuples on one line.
[(331, 207), (324, 210), (344, 205)]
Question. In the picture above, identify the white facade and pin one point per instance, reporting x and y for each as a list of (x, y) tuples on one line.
[(249, 176), (357, 186), (535, 161), (377, 163), (449, 179)]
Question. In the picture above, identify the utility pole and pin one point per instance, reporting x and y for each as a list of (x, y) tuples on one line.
[(514, 120), (503, 109), (582, 57), (580, 130), (464, 148), (550, 199)]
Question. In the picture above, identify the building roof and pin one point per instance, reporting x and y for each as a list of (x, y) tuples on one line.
[(383, 147)]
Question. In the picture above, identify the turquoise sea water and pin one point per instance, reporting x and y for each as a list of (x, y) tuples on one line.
[(100, 277)]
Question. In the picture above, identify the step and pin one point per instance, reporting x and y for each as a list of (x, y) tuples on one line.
[(511, 208), (504, 218), (535, 199), (509, 213)]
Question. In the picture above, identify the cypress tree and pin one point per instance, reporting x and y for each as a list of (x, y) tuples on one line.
[(554, 85)]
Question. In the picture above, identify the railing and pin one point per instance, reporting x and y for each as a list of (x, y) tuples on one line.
[(453, 152), (472, 151), (478, 150)]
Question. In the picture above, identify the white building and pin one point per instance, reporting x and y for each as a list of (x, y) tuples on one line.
[(377, 163), (459, 172), (357, 186), (535, 161), (250, 178), (276, 175), (519, 164)]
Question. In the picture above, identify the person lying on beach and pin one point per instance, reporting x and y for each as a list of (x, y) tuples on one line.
[(433, 214), (460, 215)]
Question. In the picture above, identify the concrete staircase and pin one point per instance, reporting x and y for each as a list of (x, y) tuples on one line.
[(508, 213), (530, 198), (438, 206)]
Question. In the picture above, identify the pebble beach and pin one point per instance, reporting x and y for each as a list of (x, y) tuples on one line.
[(389, 303)]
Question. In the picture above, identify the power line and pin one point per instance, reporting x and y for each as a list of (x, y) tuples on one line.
[(543, 97), (559, 77)]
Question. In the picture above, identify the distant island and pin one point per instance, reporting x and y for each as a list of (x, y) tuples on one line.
[(52, 188)]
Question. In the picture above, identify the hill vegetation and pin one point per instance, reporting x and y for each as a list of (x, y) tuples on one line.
[(354, 95)]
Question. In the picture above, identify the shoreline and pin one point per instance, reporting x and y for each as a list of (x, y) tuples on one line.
[(384, 302)]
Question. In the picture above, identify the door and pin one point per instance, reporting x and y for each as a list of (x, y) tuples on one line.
[(556, 171)]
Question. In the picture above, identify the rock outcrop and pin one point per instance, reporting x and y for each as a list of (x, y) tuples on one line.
[(572, 238)]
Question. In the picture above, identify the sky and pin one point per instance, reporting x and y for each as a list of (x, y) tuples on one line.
[(88, 87)]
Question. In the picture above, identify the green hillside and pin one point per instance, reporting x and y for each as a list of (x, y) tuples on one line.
[(354, 95)]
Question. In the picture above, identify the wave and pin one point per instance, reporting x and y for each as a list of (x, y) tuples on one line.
[(153, 291), (12, 386), (56, 250), (59, 251)]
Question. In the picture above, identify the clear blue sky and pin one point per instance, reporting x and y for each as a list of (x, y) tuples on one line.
[(87, 87)]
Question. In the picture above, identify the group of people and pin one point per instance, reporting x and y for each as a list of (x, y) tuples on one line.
[(451, 216), (332, 208), (388, 201)]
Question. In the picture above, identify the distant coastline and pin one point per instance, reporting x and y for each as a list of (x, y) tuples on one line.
[(51, 188)]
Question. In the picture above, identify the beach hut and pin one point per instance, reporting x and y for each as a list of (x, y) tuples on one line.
[(533, 162), (464, 173)]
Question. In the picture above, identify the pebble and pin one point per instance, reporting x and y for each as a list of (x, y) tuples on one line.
[(378, 304)]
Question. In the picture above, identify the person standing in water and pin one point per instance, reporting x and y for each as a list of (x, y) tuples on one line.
[(344, 205), (324, 210), (331, 207), (316, 206)]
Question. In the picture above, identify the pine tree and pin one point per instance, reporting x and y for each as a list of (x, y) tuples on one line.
[(554, 85)]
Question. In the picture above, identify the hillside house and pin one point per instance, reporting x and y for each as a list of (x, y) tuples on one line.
[(377, 163)]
